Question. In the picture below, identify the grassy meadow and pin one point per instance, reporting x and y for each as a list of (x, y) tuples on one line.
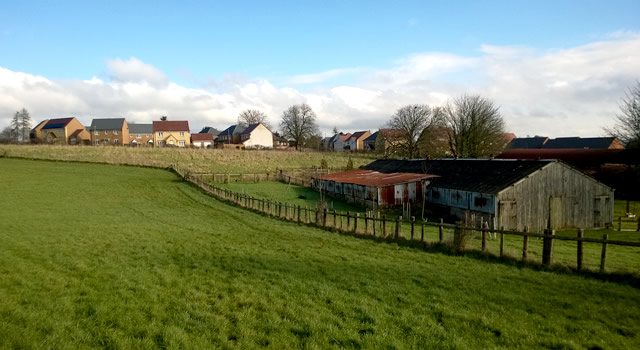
[(104, 256), (191, 159)]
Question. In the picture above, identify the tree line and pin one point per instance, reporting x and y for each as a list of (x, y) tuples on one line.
[(19, 129)]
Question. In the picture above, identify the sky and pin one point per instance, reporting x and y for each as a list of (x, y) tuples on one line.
[(555, 68)]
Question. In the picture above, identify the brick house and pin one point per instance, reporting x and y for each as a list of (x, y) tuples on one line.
[(141, 134), (109, 131), (65, 131)]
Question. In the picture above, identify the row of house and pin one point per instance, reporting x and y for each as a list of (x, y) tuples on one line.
[(162, 133), (364, 141)]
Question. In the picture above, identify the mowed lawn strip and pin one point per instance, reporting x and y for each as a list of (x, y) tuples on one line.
[(96, 256)]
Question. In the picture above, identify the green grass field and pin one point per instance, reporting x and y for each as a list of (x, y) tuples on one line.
[(101, 256), (194, 160)]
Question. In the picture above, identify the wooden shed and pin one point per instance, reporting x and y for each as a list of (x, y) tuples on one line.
[(513, 194), (374, 189)]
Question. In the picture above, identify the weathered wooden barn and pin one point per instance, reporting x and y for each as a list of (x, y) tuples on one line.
[(374, 189), (512, 194)]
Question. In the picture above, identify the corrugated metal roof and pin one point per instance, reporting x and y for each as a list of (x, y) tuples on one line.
[(373, 178), (473, 175), (107, 124), (173, 125)]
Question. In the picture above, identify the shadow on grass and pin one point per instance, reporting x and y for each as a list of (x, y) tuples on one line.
[(446, 248)]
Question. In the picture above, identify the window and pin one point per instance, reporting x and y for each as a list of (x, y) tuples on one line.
[(138, 136), (160, 134), (115, 132), (171, 142), (181, 143), (181, 133), (97, 142), (106, 141), (115, 141), (161, 143), (96, 132)]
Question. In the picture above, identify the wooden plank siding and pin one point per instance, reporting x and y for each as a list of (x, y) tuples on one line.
[(578, 200)]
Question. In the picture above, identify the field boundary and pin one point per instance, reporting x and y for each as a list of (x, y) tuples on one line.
[(391, 229)]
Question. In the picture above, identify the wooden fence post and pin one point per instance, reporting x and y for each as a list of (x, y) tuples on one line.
[(547, 247), (384, 226), (440, 230), (298, 213), (373, 222), (501, 241), (335, 224), (324, 217), (422, 231), (619, 223), (484, 236), (398, 227), (603, 256), (525, 243), (413, 226), (366, 223), (348, 221), (306, 214), (355, 222), (580, 235)]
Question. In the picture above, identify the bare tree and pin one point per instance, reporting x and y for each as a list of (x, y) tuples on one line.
[(6, 135), (412, 120), (627, 126), (299, 123), (15, 127), (475, 127), (253, 116)]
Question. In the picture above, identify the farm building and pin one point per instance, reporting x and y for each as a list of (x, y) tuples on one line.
[(374, 189), (512, 194)]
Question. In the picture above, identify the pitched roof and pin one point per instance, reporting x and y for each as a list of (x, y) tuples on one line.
[(170, 125), (578, 142), (77, 132), (210, 130), (528, 142), (249, 129), (57, 123), (41, 123), (373, 178), (232, 130), (141, 128), (107, 124), (358, 134), (372, 137), (201, 137), (473, 175)]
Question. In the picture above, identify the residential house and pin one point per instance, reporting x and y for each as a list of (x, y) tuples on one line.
[(209, 130), (61, 131), (171, 133), (109, 131), (355, 142), (339, 141), (141, 134), (202, 140), (229, 137), (279, 142), (370, 142), (256, 136)]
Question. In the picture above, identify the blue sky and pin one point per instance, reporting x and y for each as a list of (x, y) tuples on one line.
[(310, 47)]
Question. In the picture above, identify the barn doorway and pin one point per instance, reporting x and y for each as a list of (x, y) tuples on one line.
[(556, 210)]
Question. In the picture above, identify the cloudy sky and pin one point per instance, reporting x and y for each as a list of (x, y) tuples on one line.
[(556, 68)]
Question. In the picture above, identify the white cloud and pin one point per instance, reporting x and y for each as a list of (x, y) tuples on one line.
[(571, 91)]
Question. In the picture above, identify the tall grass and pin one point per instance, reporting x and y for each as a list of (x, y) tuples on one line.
[(191, 159)]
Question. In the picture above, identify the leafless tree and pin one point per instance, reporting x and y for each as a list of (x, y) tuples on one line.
[(21, 126), (412, 120), (627, 126), (475, 127), (253, 116), (6, 135), (298, 123)]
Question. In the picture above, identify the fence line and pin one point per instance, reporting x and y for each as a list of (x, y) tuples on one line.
[(392, 228)]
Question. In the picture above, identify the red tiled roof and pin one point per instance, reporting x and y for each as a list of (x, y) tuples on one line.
[(173, 125), (202, 137), (374, 178), (345, 137)]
